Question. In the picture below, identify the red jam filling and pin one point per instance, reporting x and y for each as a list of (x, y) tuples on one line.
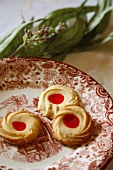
[(56, 98), (71, 121), (19, 126)]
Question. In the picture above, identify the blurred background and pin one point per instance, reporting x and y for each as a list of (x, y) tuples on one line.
[(12, 11), (97, 62)]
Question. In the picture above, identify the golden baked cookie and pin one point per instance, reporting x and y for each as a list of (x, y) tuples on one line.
[(54, 98), (20, 127), (72, 125)]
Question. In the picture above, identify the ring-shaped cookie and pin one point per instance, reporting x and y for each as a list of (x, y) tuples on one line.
[(72, 125), (56, 97), (20, 127)]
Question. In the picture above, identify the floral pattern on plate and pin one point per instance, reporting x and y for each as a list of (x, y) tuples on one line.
[(21, 83)]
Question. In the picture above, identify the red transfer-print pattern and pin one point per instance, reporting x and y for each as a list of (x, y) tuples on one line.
[(19, 73), (44, 147)]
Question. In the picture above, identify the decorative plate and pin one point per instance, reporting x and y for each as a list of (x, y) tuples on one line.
[(21, 83)]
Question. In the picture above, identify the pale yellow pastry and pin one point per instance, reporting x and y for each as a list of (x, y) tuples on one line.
[(20, 127), (54, 98), (72, 125)]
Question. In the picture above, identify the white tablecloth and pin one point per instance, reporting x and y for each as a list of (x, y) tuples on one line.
[(98, 62)]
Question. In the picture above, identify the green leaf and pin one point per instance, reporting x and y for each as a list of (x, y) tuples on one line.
[(15, 39), (60, 32)]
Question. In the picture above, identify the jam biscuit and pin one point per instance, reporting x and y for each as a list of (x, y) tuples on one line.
[(72, 125), (20, 127), (56, 97)]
